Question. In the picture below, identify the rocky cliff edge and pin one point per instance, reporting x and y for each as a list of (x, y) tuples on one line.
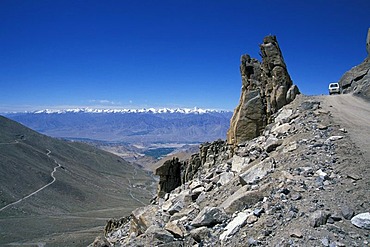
[(357, 79), (301, 183)]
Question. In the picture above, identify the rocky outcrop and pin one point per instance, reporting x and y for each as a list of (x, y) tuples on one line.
[(266, 87), (357, 79), (302, 192), (169, 176)]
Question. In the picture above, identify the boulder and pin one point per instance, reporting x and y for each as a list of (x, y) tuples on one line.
[(176, 228), (176, 204), (243, 198), (209, 216), (272, 143), (362, 220), (257, 172), (157, 233), (284, 116), (292, 93), (234, 226), (199, 234), (266, 87), (347, 212), (114, 224), (281, 129), (225, 177), (143, 218), (318, 218), (239, 162)]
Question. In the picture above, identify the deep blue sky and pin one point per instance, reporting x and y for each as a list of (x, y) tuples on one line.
[(167, 53)]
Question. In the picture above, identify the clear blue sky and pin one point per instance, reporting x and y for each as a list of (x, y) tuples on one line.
[(167, 53)]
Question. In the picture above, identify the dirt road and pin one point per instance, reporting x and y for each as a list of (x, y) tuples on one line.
[(38, 190), (352, 113)]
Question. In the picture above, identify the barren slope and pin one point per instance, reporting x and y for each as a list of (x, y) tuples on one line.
[(59, 192)]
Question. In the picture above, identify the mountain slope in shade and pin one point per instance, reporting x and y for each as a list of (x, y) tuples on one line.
[(61, 181), (130, 127)]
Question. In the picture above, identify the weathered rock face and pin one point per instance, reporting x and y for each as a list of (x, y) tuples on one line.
[(169, 176), (357, 79), (209, 155), (266, 87)]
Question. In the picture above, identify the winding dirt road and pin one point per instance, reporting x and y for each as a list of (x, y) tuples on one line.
[(37, 191), (352, 113)]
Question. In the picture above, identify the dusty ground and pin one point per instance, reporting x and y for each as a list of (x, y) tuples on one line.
[(353, 113)]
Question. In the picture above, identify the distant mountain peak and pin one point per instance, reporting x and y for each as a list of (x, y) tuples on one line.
[(194, 110)]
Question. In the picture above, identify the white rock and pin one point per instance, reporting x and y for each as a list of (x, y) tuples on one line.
[(284, 116), (235, 225), (195, 184), (362, 220), (239, 162), (257, 172), (225, 177), (198, 190), (167, 205), (281, 129), (333, 138), (322, 174)]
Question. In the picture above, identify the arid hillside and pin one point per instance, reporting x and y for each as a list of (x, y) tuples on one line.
[(59, 191)]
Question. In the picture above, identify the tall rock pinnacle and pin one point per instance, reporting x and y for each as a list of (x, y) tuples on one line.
[(266, 87)]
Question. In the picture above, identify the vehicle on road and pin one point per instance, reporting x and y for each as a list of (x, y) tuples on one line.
[(334, 88)]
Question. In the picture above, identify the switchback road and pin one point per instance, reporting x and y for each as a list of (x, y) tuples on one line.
[(37, 191)]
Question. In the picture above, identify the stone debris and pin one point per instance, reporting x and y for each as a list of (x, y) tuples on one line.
[(347, 212), (296, 233), (244, 195), (318, 218), (176, 228)]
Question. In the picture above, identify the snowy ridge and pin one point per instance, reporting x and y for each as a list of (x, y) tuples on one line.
[(194, 110)]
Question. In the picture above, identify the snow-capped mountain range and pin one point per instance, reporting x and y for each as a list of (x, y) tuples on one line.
[(151, 125), (194, 110)]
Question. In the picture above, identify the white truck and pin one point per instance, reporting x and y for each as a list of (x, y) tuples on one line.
[(334, 88)]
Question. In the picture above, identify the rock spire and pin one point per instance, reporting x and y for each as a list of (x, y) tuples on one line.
[(266, 87)]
